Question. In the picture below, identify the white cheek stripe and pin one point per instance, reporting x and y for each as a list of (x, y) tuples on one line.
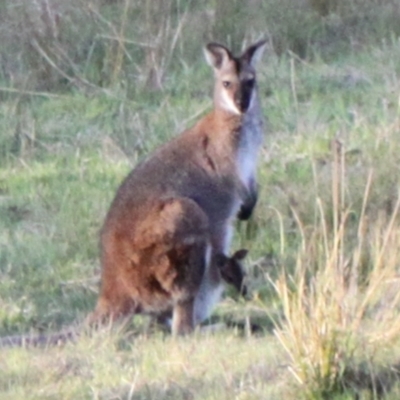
[(228, 103)]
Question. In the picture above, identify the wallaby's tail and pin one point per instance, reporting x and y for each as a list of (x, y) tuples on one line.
[(55, 339)]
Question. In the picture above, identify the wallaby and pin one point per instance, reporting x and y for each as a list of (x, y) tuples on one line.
[(195, 184), (172, 216), (232, 273)]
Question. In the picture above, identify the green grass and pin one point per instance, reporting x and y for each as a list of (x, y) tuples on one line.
[(65, 148), (146, 368)]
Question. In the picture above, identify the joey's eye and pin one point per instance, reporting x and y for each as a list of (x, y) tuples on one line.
[(226, 84)]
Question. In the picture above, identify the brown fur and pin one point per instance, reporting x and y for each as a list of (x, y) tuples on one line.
[(159, 267), (148, 244)]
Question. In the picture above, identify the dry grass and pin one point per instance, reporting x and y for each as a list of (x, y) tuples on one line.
[(76, 115), (108, 365), (341, 304), (97, 45)]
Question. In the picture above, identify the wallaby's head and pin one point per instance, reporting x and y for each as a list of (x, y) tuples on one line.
[(232, 270), (235, 77)]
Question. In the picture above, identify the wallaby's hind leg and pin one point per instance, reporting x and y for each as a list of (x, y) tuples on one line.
[(190, 258), (182, 317), (156, 264)]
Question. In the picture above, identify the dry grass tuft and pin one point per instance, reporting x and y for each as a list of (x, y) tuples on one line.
[(341, 304)]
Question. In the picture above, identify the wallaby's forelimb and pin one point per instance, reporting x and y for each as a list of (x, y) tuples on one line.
[(249, 202)]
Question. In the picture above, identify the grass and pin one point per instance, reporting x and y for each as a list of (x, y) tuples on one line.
[(146, 368), (328, 306), (323, 260)]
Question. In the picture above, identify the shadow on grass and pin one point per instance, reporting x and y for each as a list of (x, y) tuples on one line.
[(379, 383), (255, 324)]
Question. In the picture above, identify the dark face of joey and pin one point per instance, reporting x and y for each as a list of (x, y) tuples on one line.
[(232, 271)]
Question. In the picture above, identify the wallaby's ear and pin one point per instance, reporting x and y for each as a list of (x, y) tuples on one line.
[(217, 55), (254, 52), (240, 254)]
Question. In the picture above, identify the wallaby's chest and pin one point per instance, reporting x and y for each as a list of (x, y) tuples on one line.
[(249, 143)]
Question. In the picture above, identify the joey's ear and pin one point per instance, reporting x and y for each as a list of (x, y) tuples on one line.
[(254, 52), (240, 254), (217, 55)]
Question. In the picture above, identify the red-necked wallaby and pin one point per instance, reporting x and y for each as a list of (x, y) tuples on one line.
[(173, 213), (171, 218)]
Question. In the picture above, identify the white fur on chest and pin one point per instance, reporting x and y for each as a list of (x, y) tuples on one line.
[(251, 136), (248, 150)]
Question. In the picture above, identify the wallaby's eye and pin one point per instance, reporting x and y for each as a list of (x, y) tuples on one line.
[(226, 84)]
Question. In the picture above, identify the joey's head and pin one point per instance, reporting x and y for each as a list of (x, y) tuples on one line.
[(232, 271), (235, 77)]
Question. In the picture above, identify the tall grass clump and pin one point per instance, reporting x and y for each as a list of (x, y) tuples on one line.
[(341, 303)]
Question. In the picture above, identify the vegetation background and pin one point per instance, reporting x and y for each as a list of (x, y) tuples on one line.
[(88, 88)]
